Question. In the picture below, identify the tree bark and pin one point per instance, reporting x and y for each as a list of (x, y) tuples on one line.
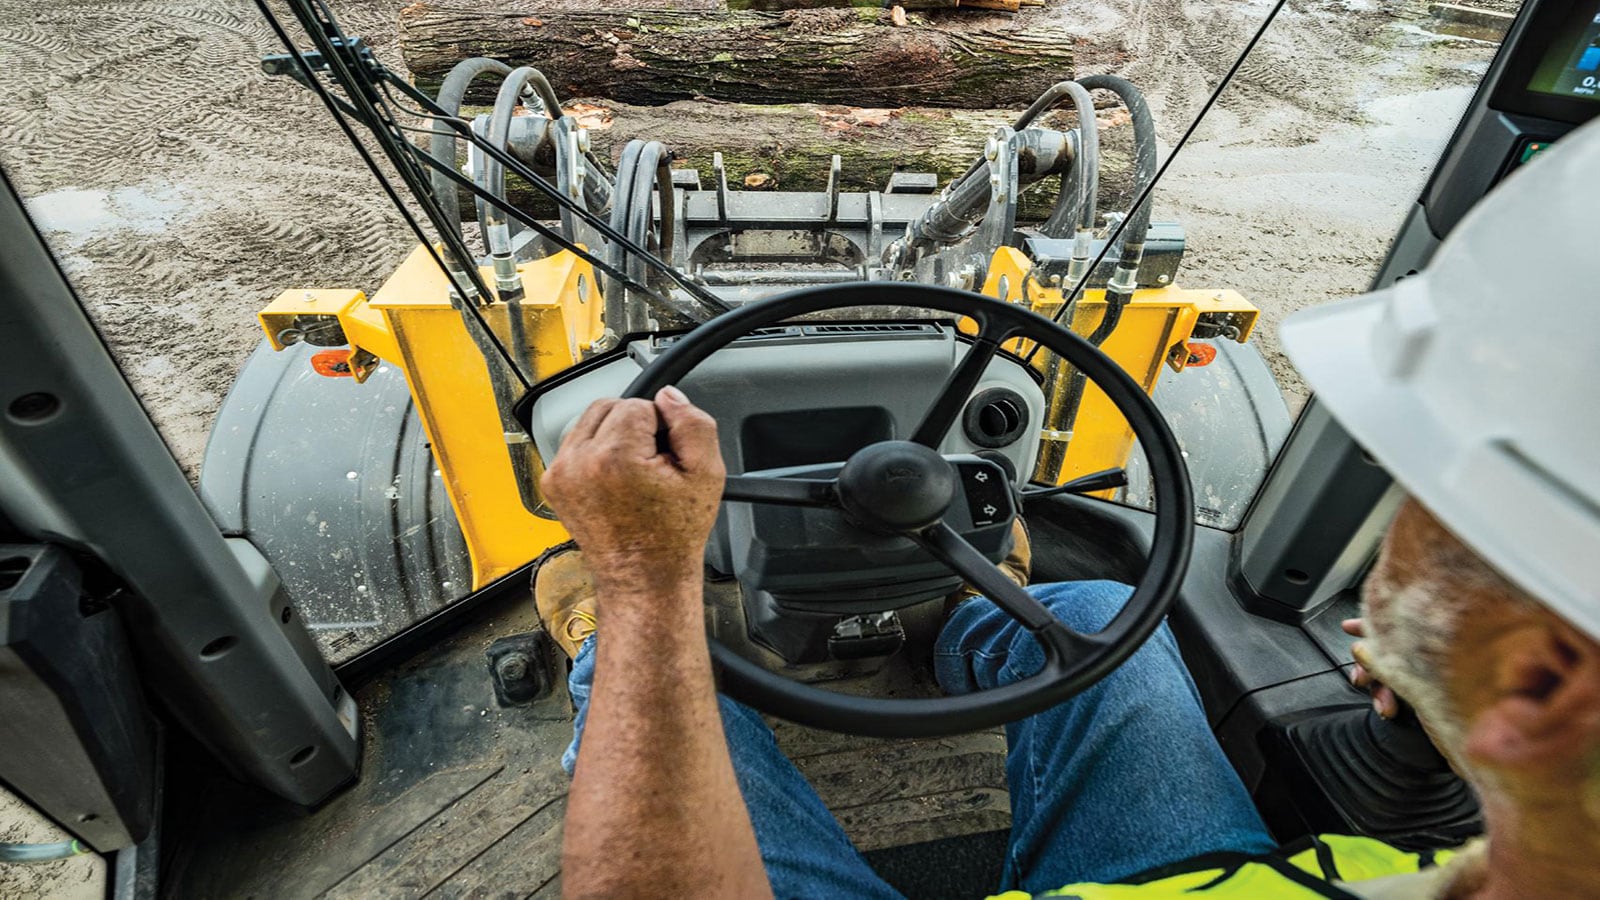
[(651, 57), (795, 144), (1007, 5)]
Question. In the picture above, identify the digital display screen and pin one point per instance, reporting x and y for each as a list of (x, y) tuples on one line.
[(1571, 67)]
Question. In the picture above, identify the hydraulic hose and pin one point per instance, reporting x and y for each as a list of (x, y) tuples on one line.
[(1119, 290), (1144, 153), (442, 145), (643, 173), (655, 164), (616, 310), (500, 227), (1068, 386), (965, 201), (1079, 204)]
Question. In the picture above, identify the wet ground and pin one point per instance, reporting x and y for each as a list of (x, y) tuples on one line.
[(183, 189)]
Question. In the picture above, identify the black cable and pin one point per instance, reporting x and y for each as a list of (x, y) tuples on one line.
[(377, 123), (323, 36), (543, 230), (517, 167), (1161, 172), (334, 105), (442, 143)]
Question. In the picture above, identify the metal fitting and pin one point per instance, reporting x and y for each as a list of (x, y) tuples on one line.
[(991, 150), (513, 667), (1124, 280), (583, 140), (964, 277)]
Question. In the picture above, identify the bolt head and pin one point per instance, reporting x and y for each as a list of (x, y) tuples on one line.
[(513, 666), (991, 149)]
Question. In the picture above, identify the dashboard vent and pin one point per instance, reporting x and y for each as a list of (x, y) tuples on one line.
[(833, 328), (829, 330)]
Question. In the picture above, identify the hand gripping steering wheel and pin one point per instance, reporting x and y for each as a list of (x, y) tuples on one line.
[(905, 488)]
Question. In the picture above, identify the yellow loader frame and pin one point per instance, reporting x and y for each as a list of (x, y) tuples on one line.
[(411, 323)]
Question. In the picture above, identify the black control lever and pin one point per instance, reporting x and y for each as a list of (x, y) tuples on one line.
[(1104, 480), (1383, 777)]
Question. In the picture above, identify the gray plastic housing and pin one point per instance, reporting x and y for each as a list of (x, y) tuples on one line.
[(807, 395), (809, 374)]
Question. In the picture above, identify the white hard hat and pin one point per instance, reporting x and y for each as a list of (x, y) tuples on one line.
[(1476, 384)]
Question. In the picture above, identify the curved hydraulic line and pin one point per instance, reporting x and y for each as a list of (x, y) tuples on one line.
[(546, 94), (616, 300), (547, 232), (1144, 156), (506, 101), (1144, 196), (655, 164), (697, 291), (443, 142), (1082, 202), (644, 175)]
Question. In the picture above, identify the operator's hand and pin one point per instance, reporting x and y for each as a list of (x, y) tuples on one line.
[(1384, 700), (640, 513)]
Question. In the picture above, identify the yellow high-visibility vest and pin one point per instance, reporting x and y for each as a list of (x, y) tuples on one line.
[(1305, 868)]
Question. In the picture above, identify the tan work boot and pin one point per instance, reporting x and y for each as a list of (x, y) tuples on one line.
[(1017, 565), (563, 592)]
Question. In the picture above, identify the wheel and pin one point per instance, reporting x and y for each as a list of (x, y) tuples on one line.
[(906, 488)]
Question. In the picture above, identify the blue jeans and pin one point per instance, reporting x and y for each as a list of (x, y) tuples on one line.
[(1123, 778)]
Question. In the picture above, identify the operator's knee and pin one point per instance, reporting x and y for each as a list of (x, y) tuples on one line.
[(982, 647), (1085, 606)]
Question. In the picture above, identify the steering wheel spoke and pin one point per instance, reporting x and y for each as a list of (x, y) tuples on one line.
[(953, 550), (953, 396), (781, 491)]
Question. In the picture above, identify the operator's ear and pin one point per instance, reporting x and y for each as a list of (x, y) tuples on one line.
[(1543, 711)]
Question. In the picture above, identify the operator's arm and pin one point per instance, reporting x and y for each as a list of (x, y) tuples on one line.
[(654, 807)]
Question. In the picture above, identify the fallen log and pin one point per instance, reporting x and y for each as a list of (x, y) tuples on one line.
[(793, 145), (651, 57), (1006, 5)]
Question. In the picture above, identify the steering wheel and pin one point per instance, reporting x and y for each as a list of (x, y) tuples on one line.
[(906, 488)]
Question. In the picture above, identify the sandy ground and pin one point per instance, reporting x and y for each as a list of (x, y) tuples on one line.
[(183, 189)]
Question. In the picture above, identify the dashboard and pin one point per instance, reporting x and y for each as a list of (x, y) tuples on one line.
[(799, 400), (804, 394)]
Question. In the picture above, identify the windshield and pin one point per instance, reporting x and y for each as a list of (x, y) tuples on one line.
[(341, 373)]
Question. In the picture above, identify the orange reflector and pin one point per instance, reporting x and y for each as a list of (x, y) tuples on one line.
[(1200, 353), (336, 363)]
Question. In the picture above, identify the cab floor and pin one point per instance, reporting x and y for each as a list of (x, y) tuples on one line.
[(461, 797)]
